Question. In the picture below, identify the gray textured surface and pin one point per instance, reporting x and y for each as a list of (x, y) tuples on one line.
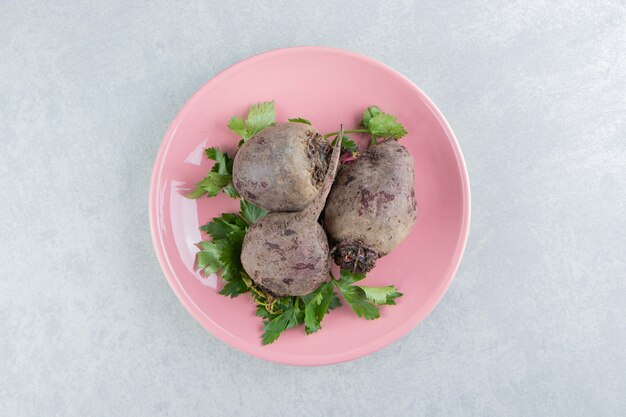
[(533, 325)]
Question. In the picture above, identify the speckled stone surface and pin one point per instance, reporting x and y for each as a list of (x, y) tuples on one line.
[(534, 323)]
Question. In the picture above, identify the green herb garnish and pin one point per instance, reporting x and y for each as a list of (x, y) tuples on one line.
[(378, 124), (218, 179), (260, 116)]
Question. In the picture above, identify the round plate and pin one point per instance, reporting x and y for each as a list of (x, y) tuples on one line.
[(328, 87)]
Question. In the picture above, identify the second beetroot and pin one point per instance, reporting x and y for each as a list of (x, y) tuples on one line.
[(371, 207)]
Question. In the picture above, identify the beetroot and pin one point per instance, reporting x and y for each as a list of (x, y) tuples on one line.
[(281, 168), (371, 207)]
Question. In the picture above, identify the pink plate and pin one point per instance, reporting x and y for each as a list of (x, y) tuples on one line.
[(328, 87)]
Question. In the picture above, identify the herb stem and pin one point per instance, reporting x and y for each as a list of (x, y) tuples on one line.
[(326, 136)]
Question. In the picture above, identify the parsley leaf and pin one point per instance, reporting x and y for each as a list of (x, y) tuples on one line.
[(363, 299), (381, 295), (261, 311), (381, 125), (250, 212), (223, 162), (335, 302), (230, 191), (350, 277), (300, 120), (233, 271), (384, 125), (208, 259), (368, 114), (237, 125), (316, 305), (221, 226), (196, 193), (230, 253), (223, 166), (223, 252), (218, 178), (211, 185), (287, 312), (260, 116), (290, 317), (234, 287), (356, 299)]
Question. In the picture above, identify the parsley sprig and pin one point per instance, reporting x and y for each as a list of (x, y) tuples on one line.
[(223, 251), (260, 116), (378, 124), (294, 311), (218, 179), (361, 299), (311, 308)]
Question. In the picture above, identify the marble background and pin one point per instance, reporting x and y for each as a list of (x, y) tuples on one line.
[(534, 323)]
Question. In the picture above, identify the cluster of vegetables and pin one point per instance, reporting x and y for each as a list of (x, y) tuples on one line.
[(303, 202)]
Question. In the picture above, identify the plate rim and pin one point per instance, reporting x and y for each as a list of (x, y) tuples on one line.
[(294, 359)]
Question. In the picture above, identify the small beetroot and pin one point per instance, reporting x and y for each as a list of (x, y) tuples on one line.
[(281, 168)]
